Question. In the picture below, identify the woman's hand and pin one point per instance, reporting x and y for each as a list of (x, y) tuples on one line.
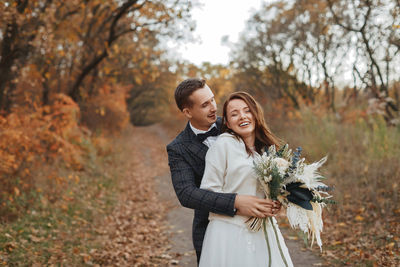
[(257, 207), (277, 207), (273, 208)]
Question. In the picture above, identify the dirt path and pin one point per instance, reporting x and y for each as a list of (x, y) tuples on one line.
[(180, 219)]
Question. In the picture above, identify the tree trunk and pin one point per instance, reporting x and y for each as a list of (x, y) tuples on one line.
[(75, 93), (8, 57)]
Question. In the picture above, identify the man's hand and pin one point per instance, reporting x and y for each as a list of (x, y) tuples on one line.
[(257, 207)]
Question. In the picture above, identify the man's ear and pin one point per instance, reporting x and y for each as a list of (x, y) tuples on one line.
[(187, 113)]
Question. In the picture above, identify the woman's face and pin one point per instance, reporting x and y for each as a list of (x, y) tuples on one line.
[(239, 118)]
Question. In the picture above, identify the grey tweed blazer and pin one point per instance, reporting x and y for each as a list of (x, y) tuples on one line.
[(186, 159)]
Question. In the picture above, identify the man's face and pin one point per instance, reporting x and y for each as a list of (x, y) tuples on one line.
[(203, 112)]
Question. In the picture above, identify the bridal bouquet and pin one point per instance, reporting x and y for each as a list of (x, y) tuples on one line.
[(285, 177)]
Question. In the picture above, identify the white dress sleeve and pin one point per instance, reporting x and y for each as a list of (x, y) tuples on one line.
[(215, 169)]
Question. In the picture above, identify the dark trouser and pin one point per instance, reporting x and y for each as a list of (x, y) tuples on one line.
[(198, 253), (198, 244), (200, 223)]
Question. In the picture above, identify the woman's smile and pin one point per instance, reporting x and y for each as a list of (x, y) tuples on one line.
[(241, 120)]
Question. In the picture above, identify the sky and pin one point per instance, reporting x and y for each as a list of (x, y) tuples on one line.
[(215, 19)]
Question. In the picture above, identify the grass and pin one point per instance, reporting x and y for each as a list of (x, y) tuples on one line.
[(60, 231)]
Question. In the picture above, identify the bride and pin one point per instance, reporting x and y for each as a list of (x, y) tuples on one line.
[(229, 169)]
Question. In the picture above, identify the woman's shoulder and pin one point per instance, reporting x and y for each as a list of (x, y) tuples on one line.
[(225, 144), (226, 139), (226, 134)]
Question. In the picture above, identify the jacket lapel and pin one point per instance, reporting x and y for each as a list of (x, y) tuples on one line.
[(194, 145)]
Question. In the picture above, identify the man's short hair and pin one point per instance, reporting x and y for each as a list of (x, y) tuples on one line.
[(185, 89)]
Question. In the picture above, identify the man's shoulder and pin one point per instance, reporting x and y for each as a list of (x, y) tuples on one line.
[(177, 140), (219, 122)]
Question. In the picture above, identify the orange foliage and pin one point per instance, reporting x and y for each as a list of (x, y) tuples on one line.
[(29, 87), (30, 140), (107, 111)]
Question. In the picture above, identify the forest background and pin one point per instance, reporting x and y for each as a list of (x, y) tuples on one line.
[(74, 74)]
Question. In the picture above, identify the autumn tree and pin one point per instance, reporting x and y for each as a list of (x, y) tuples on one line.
[(322, 46), (266, 55), (19, 27), (218, 77), (371, 26), (66, 43)]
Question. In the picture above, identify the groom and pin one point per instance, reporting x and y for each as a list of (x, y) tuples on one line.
[(186, 158)]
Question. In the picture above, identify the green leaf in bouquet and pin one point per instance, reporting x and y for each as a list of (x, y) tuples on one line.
[(275, 183)]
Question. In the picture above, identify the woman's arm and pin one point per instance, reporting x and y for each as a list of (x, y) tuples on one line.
[(215, 169), (214, 179)]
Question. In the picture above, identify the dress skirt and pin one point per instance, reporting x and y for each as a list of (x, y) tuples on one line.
[(227, 245)]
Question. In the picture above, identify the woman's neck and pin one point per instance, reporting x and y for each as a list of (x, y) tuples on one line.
[(249, 140)]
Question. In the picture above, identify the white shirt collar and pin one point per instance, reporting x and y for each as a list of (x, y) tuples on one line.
[(197, 131)]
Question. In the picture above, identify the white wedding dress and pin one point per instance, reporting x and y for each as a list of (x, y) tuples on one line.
[(227, 241)]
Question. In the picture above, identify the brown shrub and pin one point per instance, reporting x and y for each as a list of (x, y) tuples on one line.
[(30, 141), (107, 111)]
